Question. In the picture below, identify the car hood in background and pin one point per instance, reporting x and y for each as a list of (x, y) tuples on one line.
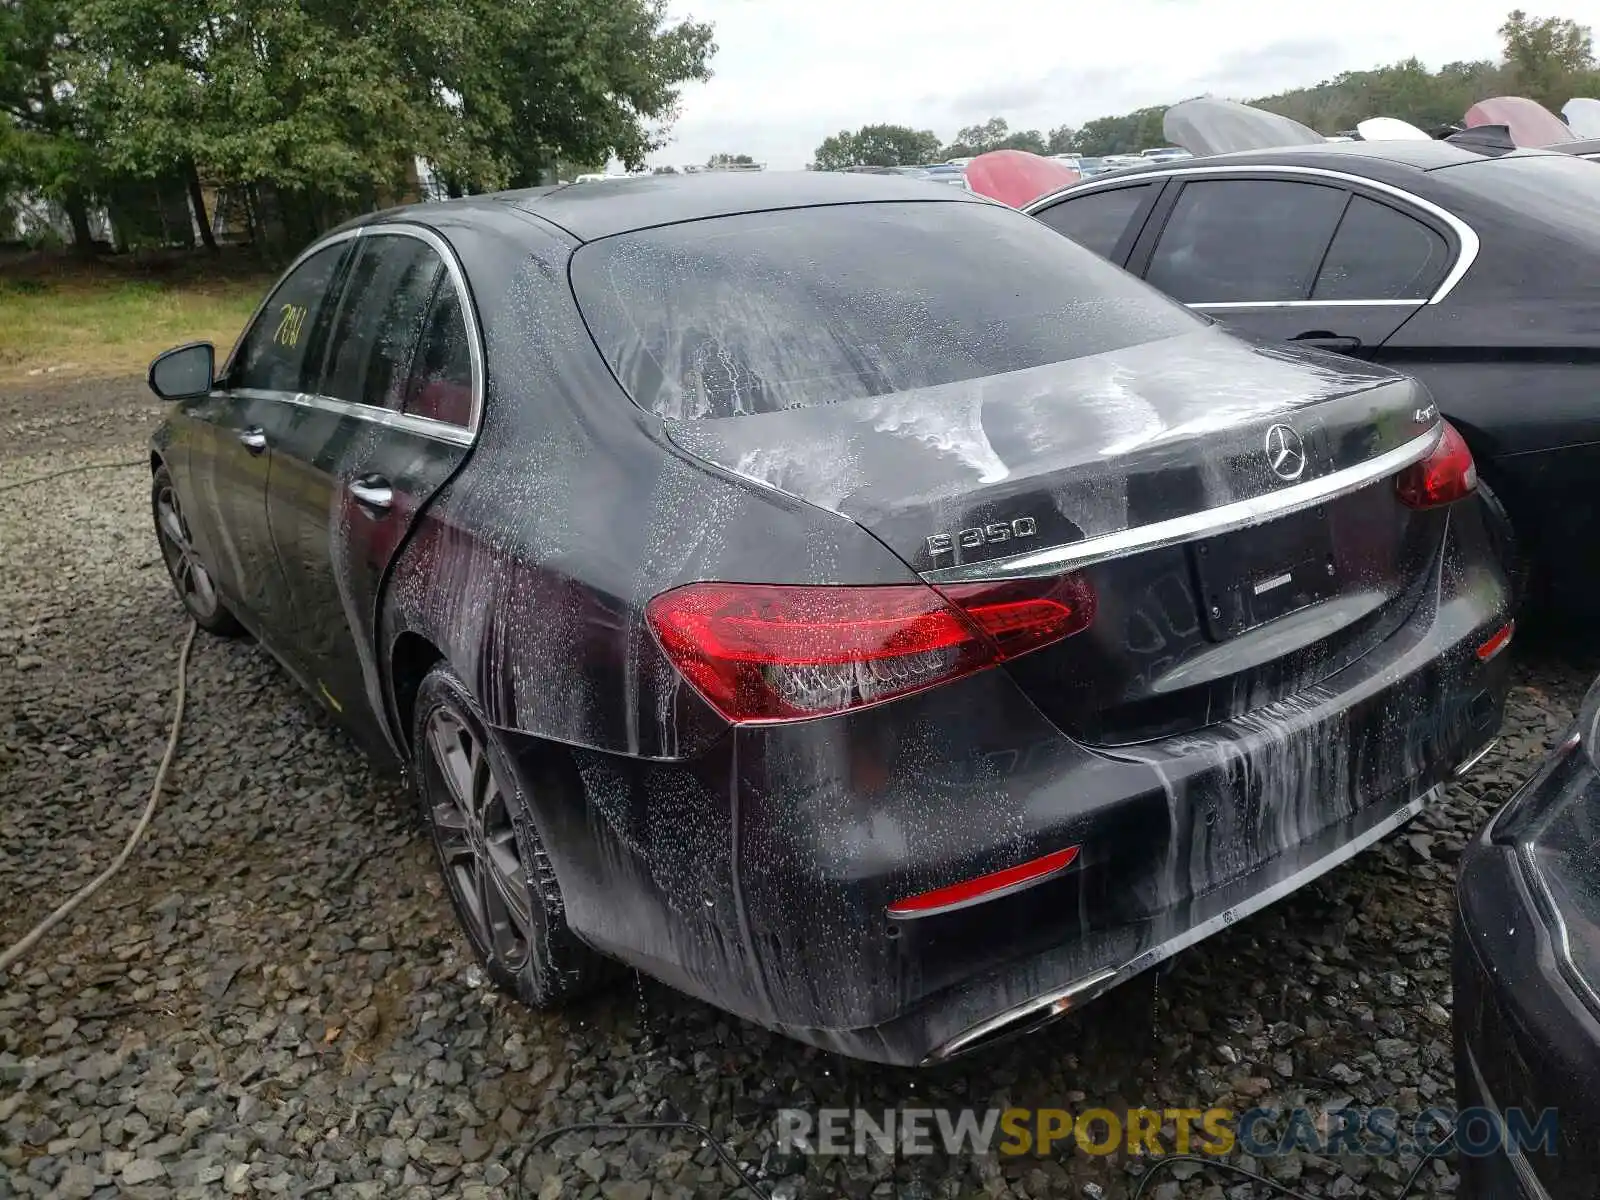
[(1531, 123), (1390, 129), (1016, 177), (1211, 126), (1583, 116)]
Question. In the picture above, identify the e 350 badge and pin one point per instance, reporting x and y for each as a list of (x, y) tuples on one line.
[(982, 535)]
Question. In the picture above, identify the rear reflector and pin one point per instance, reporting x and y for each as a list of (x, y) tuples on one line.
[(1446, 475), (984, 887), (765, 652), (1498, 641)]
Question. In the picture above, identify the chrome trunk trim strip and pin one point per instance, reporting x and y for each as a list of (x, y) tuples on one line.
[(1226, 518)]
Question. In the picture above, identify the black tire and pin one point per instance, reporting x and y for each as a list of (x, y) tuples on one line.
[(1512, 550), (191, 578), (487, 845)]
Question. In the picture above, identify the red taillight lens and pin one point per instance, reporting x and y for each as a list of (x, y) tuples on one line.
[(765, 652), (1446, 475), (1498, 641), (984, 887)]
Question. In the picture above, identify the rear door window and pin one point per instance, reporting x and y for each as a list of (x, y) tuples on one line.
[(1245, 240), (806, 307), (273, 354), (1380, 253), (381, 319), (440, 386), (1098, 220)]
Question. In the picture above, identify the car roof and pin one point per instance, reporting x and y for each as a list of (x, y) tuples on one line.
[(1418, 155), (599, 210), (624, 203), (1425, 156)]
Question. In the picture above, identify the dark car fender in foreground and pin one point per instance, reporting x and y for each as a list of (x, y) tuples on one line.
[(1527, 1008)]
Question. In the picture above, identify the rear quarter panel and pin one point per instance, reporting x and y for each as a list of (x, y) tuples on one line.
[(1512, 357), (531, 569)]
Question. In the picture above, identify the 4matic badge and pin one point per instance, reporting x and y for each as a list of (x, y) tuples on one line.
[(982, 535)]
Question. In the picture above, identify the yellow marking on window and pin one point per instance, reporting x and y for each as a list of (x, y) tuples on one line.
[(291, 319)]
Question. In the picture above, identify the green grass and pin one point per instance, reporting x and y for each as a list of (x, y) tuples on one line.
[(93, 324)]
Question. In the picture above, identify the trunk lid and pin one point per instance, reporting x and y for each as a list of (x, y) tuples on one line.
[(1070, 460)]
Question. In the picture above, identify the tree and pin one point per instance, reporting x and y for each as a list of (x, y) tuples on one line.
[(1063, 140), (993, 134), (978, 139), (668, 170), (1126, 134), (1546, 59), (877, 146), (330, 102), (730, 160), (1549, 58), (593, 79), (44, 143)]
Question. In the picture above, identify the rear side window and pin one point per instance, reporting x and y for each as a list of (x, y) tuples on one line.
[(805, 307), (380, 320), (1098, 220), (441, 383), (1245, 240), (272, 355), (1380, 253)]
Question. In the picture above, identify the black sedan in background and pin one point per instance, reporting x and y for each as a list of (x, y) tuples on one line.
[(1527, 979), (834, 594), (1474, 272)]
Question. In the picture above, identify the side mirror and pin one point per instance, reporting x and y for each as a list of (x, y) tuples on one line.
[(183, 372)]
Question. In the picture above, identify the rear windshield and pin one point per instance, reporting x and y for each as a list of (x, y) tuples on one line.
[(802, 307)]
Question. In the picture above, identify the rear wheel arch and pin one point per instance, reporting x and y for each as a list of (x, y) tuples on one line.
[(411, 657)]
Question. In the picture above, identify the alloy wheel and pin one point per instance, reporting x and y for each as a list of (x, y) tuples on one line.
[(189, 574), (478, 842)]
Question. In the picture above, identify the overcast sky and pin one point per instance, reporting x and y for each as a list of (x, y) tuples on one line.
[(788, 73)]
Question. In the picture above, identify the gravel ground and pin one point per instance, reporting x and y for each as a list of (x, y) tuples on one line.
[(272, 998)]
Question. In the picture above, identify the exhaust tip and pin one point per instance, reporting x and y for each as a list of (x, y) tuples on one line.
[(1021, 1019), (1465, 765)]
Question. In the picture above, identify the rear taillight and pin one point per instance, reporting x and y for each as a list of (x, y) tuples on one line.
[(1446, 475), (764, 652)]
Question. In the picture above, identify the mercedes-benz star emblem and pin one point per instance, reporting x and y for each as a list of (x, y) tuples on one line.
[(1286, 453)]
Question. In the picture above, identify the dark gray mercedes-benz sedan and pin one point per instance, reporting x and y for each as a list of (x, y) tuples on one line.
[(836, 595)]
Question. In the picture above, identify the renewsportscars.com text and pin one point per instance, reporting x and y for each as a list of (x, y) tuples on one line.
[(1259, 1132)]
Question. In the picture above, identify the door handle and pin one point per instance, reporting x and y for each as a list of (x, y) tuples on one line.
[(1324, 340), (372, 492), (254, 439)]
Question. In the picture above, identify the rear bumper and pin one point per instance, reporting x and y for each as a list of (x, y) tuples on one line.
[(758, 876)]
